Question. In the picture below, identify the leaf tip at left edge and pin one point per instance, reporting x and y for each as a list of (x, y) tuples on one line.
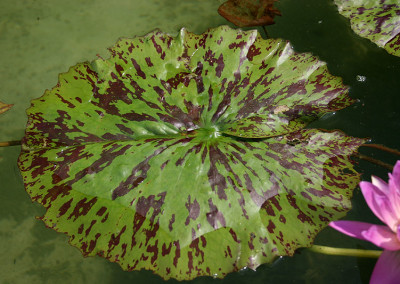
[(4, 107)]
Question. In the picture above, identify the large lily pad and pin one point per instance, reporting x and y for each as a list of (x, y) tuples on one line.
[(188, 155), (376, 20)]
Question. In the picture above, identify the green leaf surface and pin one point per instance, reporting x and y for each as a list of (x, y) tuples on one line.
[(376, 20), (188, 155)]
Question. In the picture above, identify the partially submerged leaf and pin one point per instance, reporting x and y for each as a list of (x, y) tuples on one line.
[(376, 20), (249, 13), (4, 107), (187, 155)]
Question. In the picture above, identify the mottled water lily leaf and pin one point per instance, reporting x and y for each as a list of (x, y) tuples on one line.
[(4, 107), (188, 155), (376, 20), (249, 13)]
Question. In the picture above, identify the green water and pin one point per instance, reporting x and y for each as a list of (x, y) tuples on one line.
[(40, 39)]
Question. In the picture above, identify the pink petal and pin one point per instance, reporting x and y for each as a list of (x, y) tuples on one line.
[(398, 232), (379, 235), (380, 183), (394, 178), (387, 269), (395, 197), (380, 204), (396, 174), (394, 191)]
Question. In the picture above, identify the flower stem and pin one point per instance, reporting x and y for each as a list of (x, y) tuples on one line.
[(346, 252), (9, 143)]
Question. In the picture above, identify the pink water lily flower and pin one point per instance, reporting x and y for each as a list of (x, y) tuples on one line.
[(384, 200)]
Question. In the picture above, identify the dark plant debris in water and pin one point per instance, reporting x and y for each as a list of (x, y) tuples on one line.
[(249, 13)]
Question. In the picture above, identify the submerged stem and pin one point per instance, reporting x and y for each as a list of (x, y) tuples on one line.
[(375, 161), (383, 148), (10, 143), (345, 252), (266, 32)]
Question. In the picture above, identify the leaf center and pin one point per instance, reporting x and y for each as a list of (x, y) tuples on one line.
[(210, 133)]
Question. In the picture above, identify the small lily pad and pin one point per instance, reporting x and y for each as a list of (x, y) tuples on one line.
[(376, 20), (188, 155)]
